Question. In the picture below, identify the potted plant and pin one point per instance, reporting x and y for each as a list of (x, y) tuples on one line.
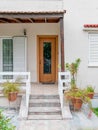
[(90, 91), (11, 89), (77, 98), (73, 68)]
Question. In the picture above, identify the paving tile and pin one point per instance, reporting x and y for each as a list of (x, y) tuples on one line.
[(45, 125)]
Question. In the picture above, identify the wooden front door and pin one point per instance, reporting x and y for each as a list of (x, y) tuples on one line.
[(47, 60)]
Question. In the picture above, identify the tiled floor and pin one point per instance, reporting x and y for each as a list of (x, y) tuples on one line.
[(46, 89), (45, 125)]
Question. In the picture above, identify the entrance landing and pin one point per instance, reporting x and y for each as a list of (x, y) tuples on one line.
[(44, 89)]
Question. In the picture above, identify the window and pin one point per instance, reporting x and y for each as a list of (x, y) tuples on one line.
[(7, 55), (93, 49), (13, 54), (7, 47)]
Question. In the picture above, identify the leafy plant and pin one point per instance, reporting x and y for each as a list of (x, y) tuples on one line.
[(73, 68), (90, 88), (11, 87), (5, 123), (95, 110), (78, 93), (89, 91)]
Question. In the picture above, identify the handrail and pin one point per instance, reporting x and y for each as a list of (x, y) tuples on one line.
[(64, 79)]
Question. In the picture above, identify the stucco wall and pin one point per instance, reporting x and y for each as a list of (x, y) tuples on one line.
[(31, 5), (32, 31), (80, 12)]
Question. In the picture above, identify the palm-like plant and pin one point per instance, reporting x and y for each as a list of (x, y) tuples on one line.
[(73, 68)]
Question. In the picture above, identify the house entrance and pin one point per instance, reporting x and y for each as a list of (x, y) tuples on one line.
[(47, 59)]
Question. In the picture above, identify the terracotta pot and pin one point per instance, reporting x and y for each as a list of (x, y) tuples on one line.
[(12, 96), (91, 95), (78, 103), (73, 100)]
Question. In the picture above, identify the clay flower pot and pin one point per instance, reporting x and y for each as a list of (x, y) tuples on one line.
[(90, 95), (73, 100), (78, 103), (12, 96)]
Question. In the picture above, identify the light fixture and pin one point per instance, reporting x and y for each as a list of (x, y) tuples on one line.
[(24, 31)]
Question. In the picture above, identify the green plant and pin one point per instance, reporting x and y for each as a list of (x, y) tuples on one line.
[(5, 123), (78, 93), (11, 87), (90, 88), (95, 110), (77, 97), (73, 68), (89, 91)]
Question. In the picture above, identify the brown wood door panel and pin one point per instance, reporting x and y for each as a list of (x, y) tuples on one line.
[(47, 60)]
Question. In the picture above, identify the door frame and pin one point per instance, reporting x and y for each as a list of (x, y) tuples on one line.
[(38, 39)]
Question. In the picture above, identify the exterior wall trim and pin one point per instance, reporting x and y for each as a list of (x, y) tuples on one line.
[(30, 15)]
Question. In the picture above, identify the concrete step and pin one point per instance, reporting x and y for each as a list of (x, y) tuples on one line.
[(44, 109), (45, 113), (44, 100), (44, 96), (44, 117), (46, 104)]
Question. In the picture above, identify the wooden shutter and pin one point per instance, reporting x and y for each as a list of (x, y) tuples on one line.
[(93, 49), (19, 54)]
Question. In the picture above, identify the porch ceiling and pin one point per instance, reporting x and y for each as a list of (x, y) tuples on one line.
[(31, 17)]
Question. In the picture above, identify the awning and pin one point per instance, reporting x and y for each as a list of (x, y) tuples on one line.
[(31, 17)]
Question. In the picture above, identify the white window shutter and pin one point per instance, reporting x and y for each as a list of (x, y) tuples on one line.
[(93, 50), (19, 54)]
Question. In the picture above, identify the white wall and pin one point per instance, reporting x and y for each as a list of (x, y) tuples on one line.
[(78, 13), (32, 31), (31, 5)]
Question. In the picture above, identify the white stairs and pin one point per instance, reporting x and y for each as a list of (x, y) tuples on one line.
[(44, 107)]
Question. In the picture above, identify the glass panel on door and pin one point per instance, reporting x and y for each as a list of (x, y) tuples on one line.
[(47, 57)]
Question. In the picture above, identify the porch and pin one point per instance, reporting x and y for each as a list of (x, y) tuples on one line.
[(44, 89), (22, 40)]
